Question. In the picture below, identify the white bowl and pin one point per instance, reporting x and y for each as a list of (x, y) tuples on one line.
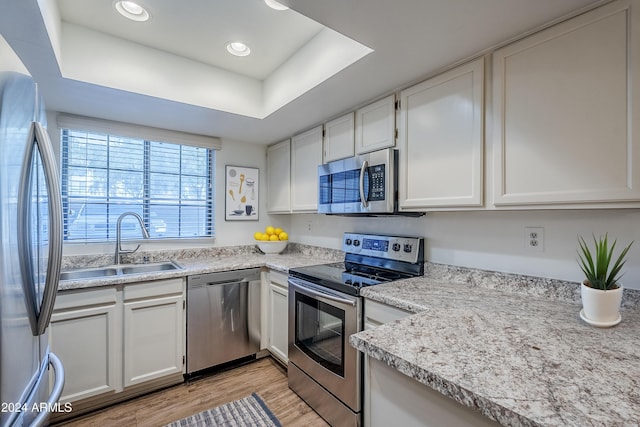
[(269, 247)]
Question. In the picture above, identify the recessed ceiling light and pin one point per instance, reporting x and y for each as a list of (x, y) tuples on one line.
[(238, 49), (273, 4), (132, 10)]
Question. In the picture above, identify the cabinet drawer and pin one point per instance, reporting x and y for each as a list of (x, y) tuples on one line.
[(85, 297), (153, 289), (378, 314), (278, 278)]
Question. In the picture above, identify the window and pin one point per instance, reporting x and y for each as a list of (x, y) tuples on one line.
[(103, 176)]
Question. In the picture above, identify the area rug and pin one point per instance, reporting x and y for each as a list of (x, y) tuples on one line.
[(249, 411)]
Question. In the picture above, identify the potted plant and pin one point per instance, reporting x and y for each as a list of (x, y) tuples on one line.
[(600, 291)]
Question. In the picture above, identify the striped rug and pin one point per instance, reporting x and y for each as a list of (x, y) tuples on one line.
[(249, 411)]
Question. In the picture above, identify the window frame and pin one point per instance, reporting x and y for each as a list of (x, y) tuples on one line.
[(147, 199)]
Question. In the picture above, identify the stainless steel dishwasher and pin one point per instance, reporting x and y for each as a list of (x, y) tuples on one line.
[(223, 317)]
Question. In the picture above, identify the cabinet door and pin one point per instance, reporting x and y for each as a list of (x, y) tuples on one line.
[(339, 138), (154, 331), (86, 333), (441, 140), (376, 126), (306, 156), (279, 318), (279, 177), (565, 101)]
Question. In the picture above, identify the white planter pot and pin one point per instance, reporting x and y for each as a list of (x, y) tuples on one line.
[(599, 307)]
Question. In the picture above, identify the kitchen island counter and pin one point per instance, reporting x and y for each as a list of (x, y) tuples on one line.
[(518, 359)]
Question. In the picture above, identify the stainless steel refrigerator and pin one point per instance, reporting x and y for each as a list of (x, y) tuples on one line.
[(31, 377)]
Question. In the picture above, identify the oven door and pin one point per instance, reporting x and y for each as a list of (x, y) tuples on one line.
[(320, 323)]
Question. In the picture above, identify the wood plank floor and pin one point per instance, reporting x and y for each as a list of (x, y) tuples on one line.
[(265, 377)]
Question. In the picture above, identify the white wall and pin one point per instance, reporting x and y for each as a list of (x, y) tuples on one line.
[(492, 240)]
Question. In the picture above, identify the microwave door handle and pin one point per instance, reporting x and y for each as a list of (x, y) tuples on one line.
[(363, 197)]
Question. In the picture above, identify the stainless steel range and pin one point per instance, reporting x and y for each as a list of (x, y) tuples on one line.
[(325, 308)]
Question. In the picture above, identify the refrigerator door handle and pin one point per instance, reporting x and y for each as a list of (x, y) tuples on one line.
[(56, 390), (39, 316), (55, 227)]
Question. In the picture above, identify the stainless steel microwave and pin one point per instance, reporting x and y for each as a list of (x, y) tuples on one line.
[(364, 184)]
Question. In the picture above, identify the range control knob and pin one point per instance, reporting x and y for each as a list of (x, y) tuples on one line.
[(347, 242), (395, 247), (408, 248), (356, 243)]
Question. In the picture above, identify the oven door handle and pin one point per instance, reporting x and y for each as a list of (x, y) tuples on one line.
[(322, 294)]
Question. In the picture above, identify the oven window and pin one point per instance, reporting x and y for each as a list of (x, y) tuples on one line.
[(319, 332)]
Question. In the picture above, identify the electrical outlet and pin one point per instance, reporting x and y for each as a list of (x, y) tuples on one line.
[(309, 226), (534, 238)]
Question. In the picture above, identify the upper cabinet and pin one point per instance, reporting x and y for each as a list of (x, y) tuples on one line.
[(440, 140), (564, 104), (279, 177), (339, 138), (376, 126), (306, 155)]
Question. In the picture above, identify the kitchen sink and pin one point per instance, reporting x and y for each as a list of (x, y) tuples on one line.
[(118, 270), (149, 268), (88, 273)]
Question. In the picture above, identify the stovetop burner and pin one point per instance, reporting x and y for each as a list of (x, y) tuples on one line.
[(369, 260)]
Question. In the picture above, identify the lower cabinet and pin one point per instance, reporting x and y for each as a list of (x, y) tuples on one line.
[(392, 398), (119, 340), (278, 318), (85, 332), (154, 331)]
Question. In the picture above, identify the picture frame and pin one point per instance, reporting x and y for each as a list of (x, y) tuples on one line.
[(242, 193)]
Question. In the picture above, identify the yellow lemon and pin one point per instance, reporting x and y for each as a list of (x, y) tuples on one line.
[(257, 235), (277, 231), (264, 237), (269, 230), (273, 237), (283, 236)]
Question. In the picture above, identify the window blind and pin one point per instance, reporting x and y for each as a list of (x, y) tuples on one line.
[(103, 176)]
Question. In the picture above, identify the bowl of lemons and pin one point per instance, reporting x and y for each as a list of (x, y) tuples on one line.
[(272, 241)]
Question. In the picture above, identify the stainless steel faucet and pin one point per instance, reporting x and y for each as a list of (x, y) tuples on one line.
[(119, 250)]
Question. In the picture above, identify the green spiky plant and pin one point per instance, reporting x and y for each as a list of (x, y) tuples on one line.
[(596, 265)]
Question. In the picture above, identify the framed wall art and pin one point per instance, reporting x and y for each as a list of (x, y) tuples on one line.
[(242, 186)]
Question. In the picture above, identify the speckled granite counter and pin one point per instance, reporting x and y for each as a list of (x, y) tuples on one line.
[(199, 262), (522, 360)]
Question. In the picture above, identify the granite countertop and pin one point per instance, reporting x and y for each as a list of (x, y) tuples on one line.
[(521, 360), (200, 262)]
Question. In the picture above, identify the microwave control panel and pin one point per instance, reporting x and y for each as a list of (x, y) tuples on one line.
[(389, 247), (377, 177)]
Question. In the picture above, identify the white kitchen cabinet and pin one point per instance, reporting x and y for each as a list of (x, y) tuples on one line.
[(279, 177), (154, 330), (396, 399), (278, 318), (306, 155), (392, 398), (565, 105), (85, 332), (441, 140), (376, 125), (377, 313), (339, 138), (119, 341)]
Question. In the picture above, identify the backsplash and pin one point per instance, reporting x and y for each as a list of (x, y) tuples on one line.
[(559, 290), (88, 261)]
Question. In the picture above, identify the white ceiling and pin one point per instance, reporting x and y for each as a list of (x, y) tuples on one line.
[(410, 40), (199, 30)]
